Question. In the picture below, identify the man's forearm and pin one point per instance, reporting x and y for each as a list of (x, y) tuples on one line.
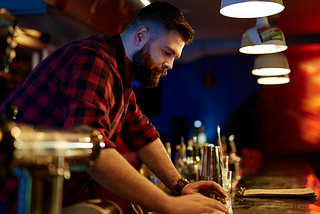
[(114, 173), (157, 160)]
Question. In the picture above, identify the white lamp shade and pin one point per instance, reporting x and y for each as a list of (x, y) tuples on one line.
[(274, 80), (263, 39), (271, 65), (250, 8)]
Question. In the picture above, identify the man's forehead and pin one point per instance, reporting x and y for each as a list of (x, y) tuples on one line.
[(172, 41)]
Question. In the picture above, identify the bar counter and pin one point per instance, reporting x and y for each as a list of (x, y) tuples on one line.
[(288, 172)]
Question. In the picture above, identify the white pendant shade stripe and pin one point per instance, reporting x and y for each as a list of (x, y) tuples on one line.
[(274, 80), (263, 39), (273, 69), (250, 8), (271, 65), (270, 71)]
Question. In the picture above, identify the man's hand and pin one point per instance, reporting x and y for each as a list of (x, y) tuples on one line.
[(204, 187), (194, 203), (114, 173)]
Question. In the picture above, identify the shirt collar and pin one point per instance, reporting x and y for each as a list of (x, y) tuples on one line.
[(126, 77)]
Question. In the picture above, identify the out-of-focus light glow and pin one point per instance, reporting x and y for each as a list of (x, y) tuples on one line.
[(30, 42), (263, 49), (145, 2), (273, 80), (309, 129), (270, 71), (250, 9), (197, 124), (202, 139), (313, 182), (16, 132), (310, 103), (197, 159)]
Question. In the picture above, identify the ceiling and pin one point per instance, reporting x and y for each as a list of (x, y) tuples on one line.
[(215, 33), (298, 17)]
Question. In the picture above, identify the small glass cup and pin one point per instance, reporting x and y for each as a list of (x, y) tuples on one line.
[(225, 162), (225, 170), (229, 178)]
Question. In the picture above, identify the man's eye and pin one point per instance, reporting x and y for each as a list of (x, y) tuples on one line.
[(167, 53)]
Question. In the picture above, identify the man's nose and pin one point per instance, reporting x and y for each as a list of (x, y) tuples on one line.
[(168, 65)]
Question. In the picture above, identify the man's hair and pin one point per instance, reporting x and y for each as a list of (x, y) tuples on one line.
[(160, 18)]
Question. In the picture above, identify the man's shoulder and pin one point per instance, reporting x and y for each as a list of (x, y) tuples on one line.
[(102, 39), (96, 42), (101, 44)]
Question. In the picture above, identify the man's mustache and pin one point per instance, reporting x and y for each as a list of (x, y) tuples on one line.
[(163, 72)]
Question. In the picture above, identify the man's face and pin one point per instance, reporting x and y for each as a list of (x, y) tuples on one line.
[(152, 61)]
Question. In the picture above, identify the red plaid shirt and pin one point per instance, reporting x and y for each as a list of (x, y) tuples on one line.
[(82, 82)]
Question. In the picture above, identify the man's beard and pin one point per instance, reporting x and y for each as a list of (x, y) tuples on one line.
[(142, 68)]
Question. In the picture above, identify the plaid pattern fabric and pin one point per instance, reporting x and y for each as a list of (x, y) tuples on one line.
[(82, 82)]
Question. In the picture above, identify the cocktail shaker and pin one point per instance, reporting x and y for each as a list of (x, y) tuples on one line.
[(212, 164)]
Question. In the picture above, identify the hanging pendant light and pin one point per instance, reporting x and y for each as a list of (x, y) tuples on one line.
[(271, 65), (273, 69), (263, 39), (274, 80), (250, 8)]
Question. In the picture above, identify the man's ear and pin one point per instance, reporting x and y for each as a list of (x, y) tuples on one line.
[(141, 36)]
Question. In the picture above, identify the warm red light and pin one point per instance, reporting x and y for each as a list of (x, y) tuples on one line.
[(310, 103), (313, 182), (314, 209)]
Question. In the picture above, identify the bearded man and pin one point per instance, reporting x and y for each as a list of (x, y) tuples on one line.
[(88, 81)]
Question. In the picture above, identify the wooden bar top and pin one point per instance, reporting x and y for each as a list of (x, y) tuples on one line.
[(279, 173)]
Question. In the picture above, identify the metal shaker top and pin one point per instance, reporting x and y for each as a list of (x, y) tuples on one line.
[(211, 165)]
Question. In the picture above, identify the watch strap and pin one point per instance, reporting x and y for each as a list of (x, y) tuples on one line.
[(180, 184)]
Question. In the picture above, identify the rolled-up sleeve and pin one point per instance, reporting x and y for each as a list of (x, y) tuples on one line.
[(137, 131)]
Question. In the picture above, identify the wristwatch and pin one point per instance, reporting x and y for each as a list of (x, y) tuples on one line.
[(180, 184)]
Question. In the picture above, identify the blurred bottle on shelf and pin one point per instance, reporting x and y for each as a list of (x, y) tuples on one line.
[(168, 149), (202, 137), (224, 145), (189, 152), (234, 159), (178, 162), (183, 149), (196, 150), (190, 168), (180, 155)]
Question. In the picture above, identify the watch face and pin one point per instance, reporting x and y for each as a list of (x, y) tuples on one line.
[(180, 184), (185, 180)]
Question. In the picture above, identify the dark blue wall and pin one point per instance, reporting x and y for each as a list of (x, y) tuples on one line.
[(184, 95)]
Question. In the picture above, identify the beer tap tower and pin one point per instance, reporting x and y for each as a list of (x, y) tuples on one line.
[(42, 158)]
